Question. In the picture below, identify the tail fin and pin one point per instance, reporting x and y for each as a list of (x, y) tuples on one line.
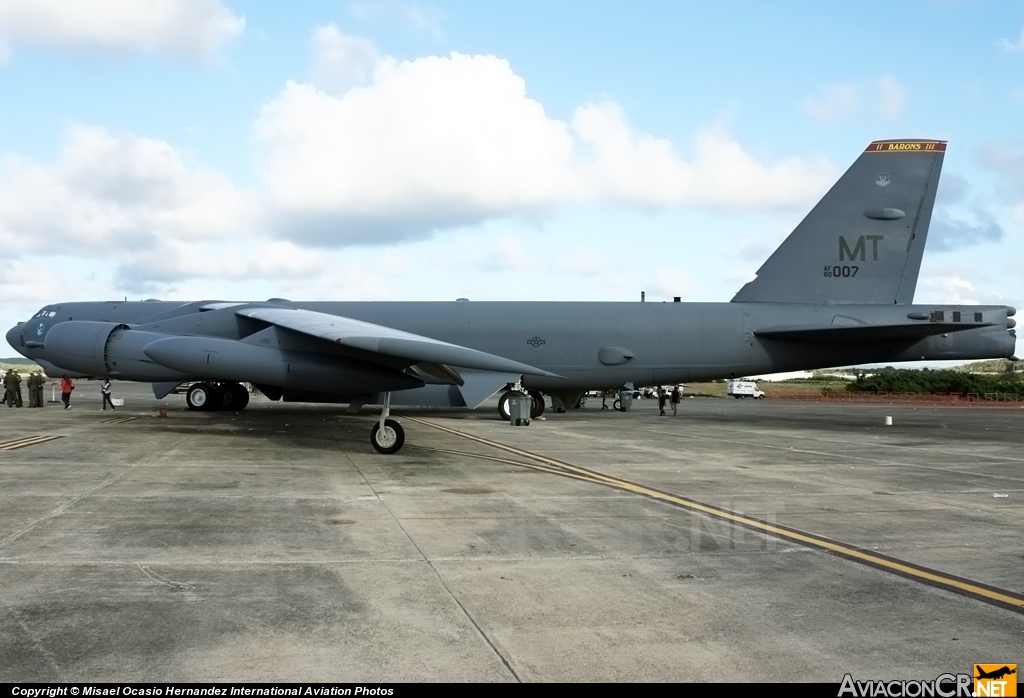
[(864, 240)]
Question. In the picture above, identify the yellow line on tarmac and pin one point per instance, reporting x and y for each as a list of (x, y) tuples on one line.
[(25, 441), (978, 590), (531, 466)]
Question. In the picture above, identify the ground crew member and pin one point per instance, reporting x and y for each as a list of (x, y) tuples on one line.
[(32, 390), (105, 390), (40, 383), (66, 386), (12, 383), (674, 399)]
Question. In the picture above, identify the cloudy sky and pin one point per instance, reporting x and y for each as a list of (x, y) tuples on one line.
[(391, 150)]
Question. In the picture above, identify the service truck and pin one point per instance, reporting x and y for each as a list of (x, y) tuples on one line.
[(741, 389)]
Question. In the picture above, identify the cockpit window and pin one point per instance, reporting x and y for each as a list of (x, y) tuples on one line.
[(45, 313)]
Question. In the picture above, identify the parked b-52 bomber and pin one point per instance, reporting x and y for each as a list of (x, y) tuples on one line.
[(838, 291)]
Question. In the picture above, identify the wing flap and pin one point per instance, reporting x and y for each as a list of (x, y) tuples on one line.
[(388, 341)]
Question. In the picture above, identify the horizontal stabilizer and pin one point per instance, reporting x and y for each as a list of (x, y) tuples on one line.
[(865, 333), (378, 339)]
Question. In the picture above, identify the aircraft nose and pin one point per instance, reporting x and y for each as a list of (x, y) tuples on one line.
[(14, 335)]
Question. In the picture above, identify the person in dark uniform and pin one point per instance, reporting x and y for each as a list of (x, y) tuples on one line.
[(31, 383), (12, 384), (40, 384), (661, 401), (674, 399)]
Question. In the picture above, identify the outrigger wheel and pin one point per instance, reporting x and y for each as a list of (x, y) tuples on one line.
[(387, 435), (389, 438)]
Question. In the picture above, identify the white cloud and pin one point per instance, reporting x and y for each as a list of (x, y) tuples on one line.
[(439, 142), (582, 261), (1012, 46), (892, 97), (953, 288), (194, 29), (841, 101), (1006, 159), (946, 233), (833, 103), (425, 18), (107, 191), (340, 60), (753, 250), (669, 283), (170, 262)]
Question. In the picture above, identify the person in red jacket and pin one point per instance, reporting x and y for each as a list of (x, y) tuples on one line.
[(66, 386)]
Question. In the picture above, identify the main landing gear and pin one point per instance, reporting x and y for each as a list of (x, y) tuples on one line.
[(387, 435), (536, 410), (217, 396)]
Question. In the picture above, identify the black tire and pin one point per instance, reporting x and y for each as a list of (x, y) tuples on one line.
[(239, 396), (392, 438), (222, 398), (202, 397), (617, 405), (503, 410), (538, 404)]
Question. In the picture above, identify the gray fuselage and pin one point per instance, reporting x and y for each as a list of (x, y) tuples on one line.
[(639, 343)]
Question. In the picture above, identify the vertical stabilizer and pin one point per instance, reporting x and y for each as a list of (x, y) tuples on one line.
[(863, 242)]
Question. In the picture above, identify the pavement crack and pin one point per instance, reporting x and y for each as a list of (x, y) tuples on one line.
[(437, 574)]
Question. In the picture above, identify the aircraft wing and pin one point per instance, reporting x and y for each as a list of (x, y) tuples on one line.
[(865, 333), (387, 341)]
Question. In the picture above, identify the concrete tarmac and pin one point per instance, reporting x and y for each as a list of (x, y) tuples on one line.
[(275, 544)]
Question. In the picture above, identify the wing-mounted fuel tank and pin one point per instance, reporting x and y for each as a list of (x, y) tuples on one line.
[(106, 349)]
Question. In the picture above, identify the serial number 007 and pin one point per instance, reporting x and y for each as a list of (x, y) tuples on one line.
[(838, 271)]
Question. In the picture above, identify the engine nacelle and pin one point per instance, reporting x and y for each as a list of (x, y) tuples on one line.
[(105, 349)]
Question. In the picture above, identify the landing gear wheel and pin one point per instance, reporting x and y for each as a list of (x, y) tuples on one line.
[(389, 439), (538, 404), (222, 398), (503, 409), (239, 397), (201, 396), (617, 405)]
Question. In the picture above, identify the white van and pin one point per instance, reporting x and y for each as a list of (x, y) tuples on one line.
[(740, 389)]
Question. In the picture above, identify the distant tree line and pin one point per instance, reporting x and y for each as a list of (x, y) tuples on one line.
[(894, 380)]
